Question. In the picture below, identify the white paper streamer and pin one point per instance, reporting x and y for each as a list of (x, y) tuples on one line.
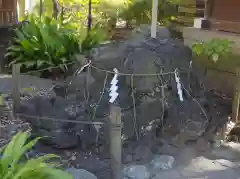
[(179, 87), (113, 89)]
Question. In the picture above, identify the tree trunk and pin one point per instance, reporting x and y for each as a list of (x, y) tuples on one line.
[(89, 15), (113, 22), (55, 9), (62, 13), (41, 8)]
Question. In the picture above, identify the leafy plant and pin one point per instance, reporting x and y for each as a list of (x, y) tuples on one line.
[(43, 43), (93, 38), (214, 47), (140, 11), (13, 167)]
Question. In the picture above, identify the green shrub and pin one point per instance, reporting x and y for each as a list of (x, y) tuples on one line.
[(43, 43), (219, 47), (140, 11), (13, 167), (95, 37)]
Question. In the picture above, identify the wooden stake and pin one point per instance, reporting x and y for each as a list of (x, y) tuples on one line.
[(207, 9), (115, 141), (15, 83), (154, 18), (1, 130), (236, 98)]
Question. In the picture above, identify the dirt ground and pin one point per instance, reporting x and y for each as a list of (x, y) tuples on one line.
[(216, 163)]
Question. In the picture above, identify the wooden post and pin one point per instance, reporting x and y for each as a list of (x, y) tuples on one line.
[(89, 15), (206, 9), (236, 98), (15, 83), (41, 7), (154, 18), (2, 112), (115, 141)]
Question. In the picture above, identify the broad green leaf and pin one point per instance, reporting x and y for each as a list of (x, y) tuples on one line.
[(37, 168)]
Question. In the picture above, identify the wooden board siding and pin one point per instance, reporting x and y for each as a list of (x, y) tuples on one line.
[(227, 26), (226, 15), (188, 10), (226, 10), (8, 12)]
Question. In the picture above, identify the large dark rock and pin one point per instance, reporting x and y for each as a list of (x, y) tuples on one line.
[(140, 55), (61, 134)]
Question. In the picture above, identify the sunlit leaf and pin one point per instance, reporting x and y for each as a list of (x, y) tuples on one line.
[(38, 168)]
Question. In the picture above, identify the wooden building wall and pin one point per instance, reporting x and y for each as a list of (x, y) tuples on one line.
[(188, 10), (226, 10), (226, 15), (8, 12)]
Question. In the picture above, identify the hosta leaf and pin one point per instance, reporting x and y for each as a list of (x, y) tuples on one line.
[(50, 63), (16, 60), (18, 151), (14, 48), (9, 54), (8, 153), (63, 67), (26, 147), (20, 35), (63, 60), (37, 168), (40, 63), (37, 164), (29, 63), (25, 44), (44, 42)]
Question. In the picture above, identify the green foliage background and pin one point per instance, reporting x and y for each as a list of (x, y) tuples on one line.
[(104, 11), (42, 43), (220, 47), (53, 39), (13, 164)]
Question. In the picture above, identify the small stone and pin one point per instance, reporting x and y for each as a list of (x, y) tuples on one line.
[(162, 162), (225, 163), (80, 173), (136, 172)]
